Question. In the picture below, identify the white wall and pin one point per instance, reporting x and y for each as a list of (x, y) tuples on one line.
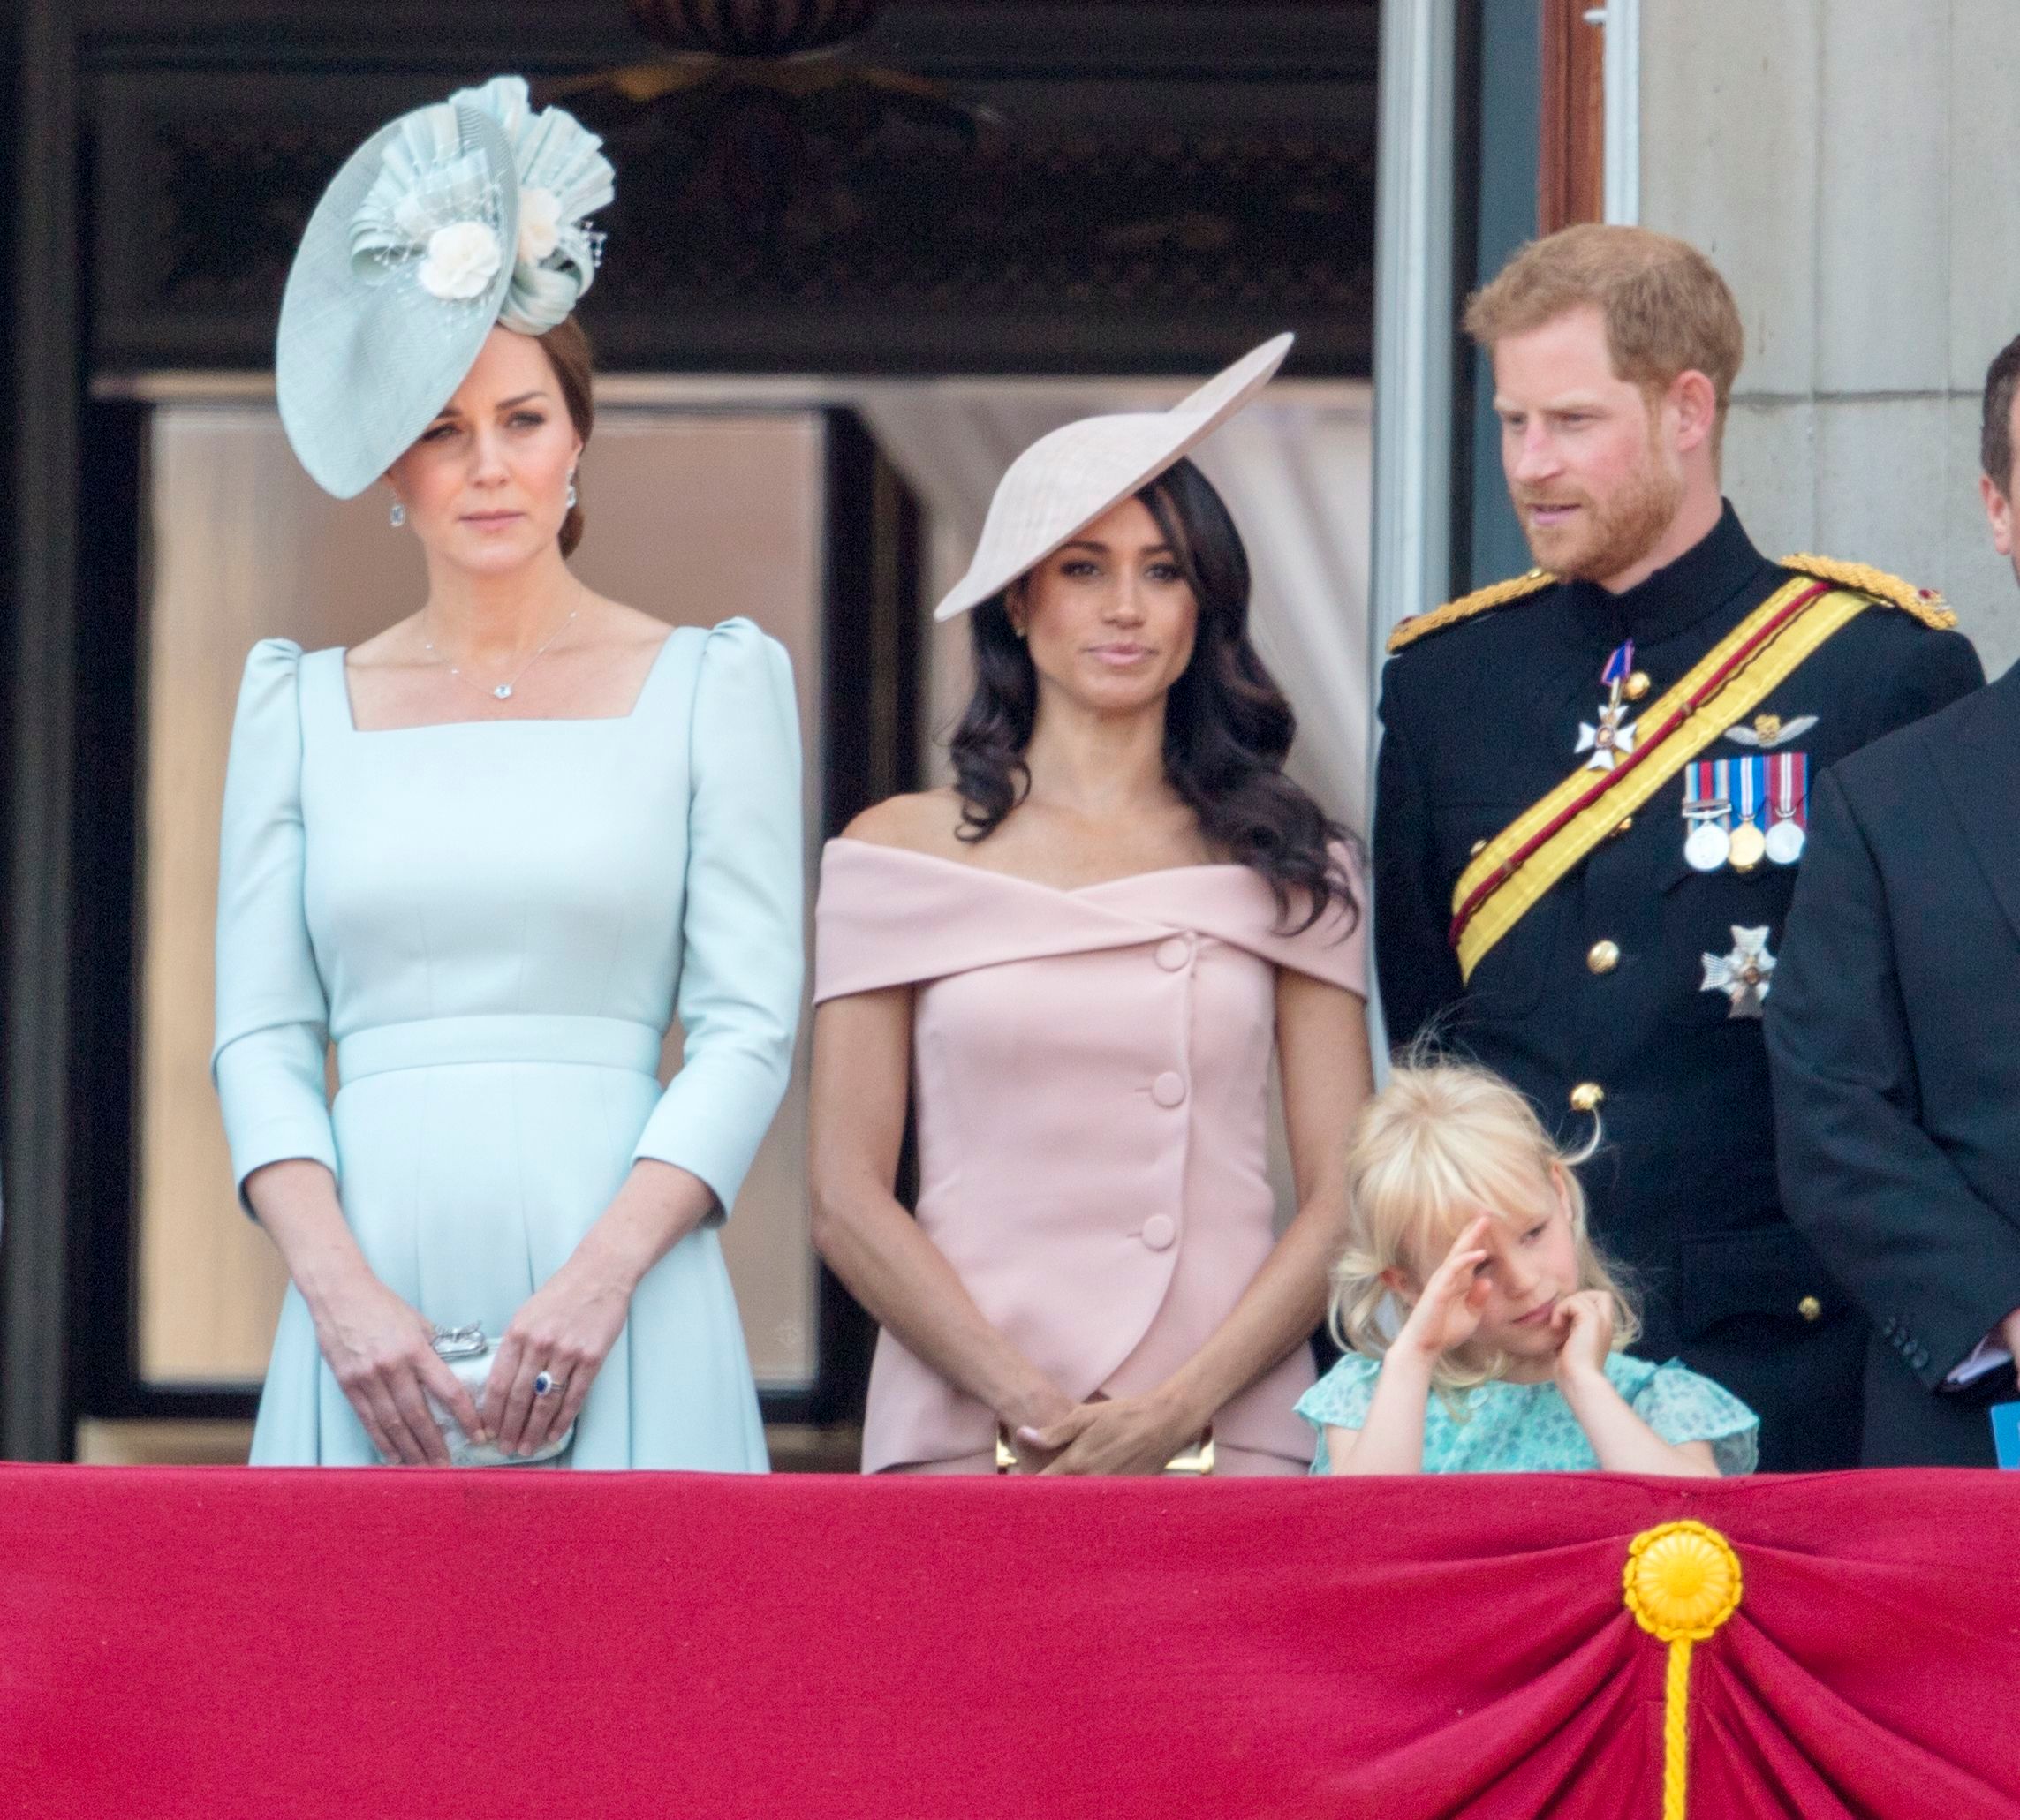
[(1851, 166)]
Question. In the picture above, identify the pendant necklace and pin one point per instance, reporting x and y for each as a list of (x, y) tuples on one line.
[(499, 691)]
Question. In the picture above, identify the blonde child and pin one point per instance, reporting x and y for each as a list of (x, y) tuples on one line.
[(1469, 1227)]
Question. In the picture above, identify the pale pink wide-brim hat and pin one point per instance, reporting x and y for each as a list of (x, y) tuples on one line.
[(1064, 481)]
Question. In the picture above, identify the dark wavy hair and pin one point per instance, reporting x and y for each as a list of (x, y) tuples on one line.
[(1227, 726)]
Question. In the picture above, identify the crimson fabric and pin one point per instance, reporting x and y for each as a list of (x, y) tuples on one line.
[(365, 1644)]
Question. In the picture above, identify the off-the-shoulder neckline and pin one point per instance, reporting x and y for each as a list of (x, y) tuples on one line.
[(631, 713), (983, 871)]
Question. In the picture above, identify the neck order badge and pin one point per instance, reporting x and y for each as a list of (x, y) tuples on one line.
[(1613, 738)]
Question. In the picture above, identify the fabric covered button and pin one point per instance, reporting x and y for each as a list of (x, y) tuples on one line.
[(1169, 1089), (1158, 1232), (1174, 955)]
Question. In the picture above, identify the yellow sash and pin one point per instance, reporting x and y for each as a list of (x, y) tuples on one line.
[(1513, 870)]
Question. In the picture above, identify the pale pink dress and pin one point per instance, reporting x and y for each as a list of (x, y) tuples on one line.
[(1091, 1073)]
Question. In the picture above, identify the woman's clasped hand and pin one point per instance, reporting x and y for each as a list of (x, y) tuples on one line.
[(551, 1353), (382, 1353), (1110, 1435)]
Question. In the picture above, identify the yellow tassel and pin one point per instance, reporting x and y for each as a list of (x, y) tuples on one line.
[(1681, 1583)]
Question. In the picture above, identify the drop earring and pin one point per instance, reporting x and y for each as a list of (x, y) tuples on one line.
[(571, 489), (398, 517)]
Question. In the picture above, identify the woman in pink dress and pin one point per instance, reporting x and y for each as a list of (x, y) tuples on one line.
[(1075, 967)]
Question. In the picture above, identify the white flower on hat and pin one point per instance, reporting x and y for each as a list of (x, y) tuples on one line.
[(563, 180), (462, 259), (540, 224)]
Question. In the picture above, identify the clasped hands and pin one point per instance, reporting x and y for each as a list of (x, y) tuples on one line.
[(382, 1353), (1108, 1436)]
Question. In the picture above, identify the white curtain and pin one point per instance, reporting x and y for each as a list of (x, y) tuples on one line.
[(1295, 471)]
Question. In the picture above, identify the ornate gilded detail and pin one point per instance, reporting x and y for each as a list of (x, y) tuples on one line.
[(750, 27), (1925, 604), (1682, 1582), (810, 214), (1480, 601)]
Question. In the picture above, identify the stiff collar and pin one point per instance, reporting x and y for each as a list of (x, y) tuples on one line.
[(1699, 582)]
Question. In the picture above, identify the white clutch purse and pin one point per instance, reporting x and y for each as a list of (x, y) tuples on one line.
[(468, 1353)]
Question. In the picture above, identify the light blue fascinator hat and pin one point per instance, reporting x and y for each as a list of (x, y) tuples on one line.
[(462, 215)]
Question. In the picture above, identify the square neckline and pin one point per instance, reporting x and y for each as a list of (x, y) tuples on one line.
[(351, 726)]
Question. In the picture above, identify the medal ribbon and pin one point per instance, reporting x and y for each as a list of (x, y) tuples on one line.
[(1525, 859), (1705, 784), (1750, 799), (1788, 776)]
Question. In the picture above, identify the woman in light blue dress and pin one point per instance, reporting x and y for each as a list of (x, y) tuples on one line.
[(491, 853)]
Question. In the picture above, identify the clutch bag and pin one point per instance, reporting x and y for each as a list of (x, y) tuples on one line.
[(468, 1353)]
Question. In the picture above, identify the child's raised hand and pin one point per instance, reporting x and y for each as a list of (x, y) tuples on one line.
[(1448, 1313), (1583, 1324)]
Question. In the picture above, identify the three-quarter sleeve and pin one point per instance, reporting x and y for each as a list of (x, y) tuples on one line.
[(743, 933), (273, 1017)]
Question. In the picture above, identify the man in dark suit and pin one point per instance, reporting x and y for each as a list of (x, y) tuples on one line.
[(1592, 796), (1894, 1029)]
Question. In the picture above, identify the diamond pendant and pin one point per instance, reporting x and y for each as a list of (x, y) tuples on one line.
[(504, 692)]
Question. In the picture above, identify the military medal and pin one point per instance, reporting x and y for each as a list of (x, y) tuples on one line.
[(1705, 808), (1789, 806), (1743, 976), (1749, 845), (1614, 737)]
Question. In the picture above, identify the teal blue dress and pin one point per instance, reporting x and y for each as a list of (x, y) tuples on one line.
[(1504, 1427), (494, 922)]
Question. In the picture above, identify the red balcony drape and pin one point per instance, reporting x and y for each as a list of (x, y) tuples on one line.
[(223, 1643)]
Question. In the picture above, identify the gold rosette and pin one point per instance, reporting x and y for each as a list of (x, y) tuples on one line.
[(1682, 1582)]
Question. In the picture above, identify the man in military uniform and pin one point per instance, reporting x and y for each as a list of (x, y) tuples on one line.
[(1592, 799)]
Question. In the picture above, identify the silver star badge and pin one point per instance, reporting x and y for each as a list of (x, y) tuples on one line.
[(1743, 975), (1609, 742)]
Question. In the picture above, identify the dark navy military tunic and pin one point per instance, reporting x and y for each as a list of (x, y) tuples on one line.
[(1602, 983)]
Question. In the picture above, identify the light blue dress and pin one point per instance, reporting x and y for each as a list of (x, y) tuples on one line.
[(1504, 1427), (495, 922)]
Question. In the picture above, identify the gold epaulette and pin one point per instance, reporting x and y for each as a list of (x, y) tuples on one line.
[(1925, 604), (1466, 606)]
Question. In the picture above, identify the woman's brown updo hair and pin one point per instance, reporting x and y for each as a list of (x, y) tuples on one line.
[(568, 352)]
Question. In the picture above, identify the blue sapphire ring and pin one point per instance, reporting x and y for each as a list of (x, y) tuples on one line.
[(546, 1384)]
